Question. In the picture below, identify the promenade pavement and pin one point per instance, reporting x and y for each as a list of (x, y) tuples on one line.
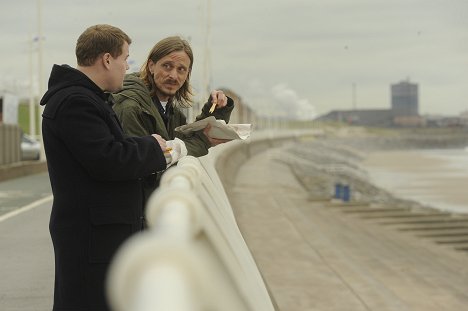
[(313, 256)]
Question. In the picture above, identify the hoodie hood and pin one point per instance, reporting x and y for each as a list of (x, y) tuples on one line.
[(133, 87), (65, 76), (133, 81)]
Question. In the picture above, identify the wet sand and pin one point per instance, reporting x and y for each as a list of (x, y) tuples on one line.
[(420, 176)]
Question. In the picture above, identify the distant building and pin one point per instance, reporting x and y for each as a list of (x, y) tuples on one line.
[(9, 108), (404, 99), (409, 121), (403, 112), (364, 117), (444, 121)]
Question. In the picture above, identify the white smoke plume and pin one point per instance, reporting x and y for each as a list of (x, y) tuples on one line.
[(279, 101), (291, 104)]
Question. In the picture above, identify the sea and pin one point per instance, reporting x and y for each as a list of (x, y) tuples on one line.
[(437, 178)]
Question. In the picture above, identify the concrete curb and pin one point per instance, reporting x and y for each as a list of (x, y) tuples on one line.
[(20, 169)]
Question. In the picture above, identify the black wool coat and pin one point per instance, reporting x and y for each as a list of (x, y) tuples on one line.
[(96, 176)]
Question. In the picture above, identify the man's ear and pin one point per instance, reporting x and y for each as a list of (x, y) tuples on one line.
[(106, 60), (150, 65)]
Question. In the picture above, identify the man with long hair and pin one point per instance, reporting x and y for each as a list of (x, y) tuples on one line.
[(151, 100)]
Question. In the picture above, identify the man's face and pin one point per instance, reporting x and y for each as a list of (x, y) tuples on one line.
[(170, 73), (119, 67)]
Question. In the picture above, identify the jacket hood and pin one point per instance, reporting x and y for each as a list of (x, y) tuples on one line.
[(133, 81), (63, 76), (132, 84), (134, 88)]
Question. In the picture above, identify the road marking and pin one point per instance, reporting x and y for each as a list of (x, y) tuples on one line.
[(26, 208)]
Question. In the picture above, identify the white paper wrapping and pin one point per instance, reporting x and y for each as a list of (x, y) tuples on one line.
[(219, 129)]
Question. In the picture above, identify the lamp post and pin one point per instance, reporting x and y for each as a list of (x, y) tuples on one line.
[(40, 71), (32, 107)]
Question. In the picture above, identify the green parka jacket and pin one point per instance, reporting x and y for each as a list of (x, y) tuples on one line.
[(139, 116)]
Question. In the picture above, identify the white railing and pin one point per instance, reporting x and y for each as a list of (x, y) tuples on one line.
[(193, 256)]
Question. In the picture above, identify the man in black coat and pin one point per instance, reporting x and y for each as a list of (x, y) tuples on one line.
[(95, 171)]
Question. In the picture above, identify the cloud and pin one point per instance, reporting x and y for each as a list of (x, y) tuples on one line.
[(279, 101), (317, 48)]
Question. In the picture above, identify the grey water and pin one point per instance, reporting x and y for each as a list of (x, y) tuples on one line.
[(437, 177)]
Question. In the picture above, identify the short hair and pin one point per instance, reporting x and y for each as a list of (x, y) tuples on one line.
[(97, 40), (161, 49)]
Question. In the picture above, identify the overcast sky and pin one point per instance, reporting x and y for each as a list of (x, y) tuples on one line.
[(284, 57)]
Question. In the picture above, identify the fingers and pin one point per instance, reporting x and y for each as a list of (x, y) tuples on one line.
[(217, 141), (161, 141), (218, 98), (207, 129), (213, 141)]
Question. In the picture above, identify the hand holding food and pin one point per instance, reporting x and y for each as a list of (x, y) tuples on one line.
[(218, 99)]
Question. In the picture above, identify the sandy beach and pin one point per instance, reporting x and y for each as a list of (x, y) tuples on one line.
[(399, 168)]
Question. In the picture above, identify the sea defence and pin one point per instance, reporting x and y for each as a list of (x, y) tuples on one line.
[(314, 252)]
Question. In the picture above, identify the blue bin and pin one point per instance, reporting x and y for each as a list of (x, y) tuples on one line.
[(346, 193), (338, 190)]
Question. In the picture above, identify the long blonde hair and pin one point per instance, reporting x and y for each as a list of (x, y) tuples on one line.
[(161, 49)]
